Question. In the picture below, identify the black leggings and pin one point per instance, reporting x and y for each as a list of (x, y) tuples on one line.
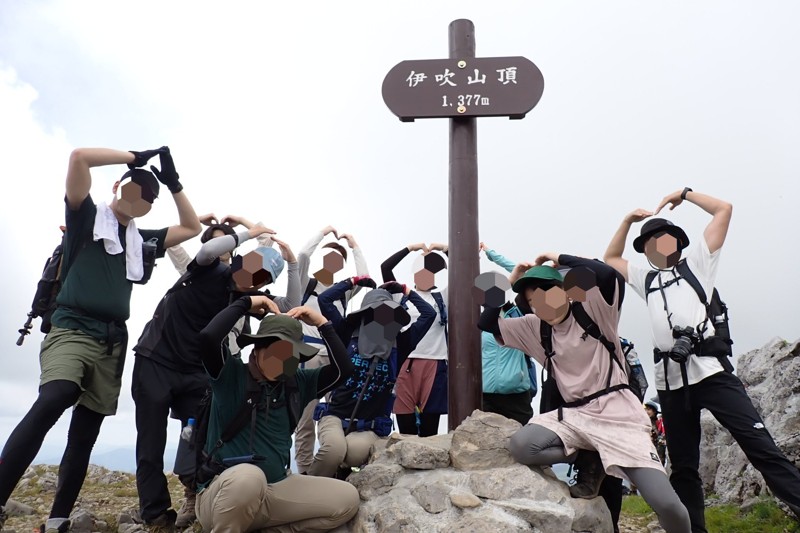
[(25, 441), (428, 424)]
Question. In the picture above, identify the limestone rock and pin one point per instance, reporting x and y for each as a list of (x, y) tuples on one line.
[(433, 497), (15, 508), (481, 441), (375, 479), (464, 499), (769, 375), (81, 521), (493, 519), (419, 453), (545, 516)]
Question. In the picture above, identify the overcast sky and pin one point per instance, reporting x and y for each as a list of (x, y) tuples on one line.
[(275, 113)]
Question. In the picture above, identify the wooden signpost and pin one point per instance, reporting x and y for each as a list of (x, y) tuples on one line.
[(462, 88)]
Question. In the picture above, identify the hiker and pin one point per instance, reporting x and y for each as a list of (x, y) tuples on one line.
[(249, 486), (657, 435), (83, 355), (168, 372), (359, 411), (333, 262), (692, 368), (422, 381), (600, 412), (509, 375)]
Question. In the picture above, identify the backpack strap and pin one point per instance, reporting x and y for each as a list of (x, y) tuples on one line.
[(589, 326), (437, 296), (312, 284)]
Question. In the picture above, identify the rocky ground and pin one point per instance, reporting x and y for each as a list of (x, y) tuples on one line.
[(108, 501)]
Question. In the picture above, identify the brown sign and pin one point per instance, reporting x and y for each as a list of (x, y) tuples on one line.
[(472, 87)]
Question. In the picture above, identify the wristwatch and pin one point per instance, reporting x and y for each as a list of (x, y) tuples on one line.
[(685, 191)]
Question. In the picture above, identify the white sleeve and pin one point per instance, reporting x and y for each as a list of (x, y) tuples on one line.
[(704, 265), (636, 279), (304, 257), (180, 259)]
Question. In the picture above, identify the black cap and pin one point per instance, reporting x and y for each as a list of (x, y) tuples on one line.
[(659, 225), (146, 180)]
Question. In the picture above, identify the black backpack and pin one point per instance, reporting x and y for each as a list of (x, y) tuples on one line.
[(719, 344), (257, 400), (49, 285), (551, 398)]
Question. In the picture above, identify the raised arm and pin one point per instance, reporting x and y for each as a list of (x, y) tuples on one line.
[(293, 292), (180, 259), (615, 249), (212, 352), (608, 279), (387, 267), (263, 239), (720, 211), (341, 366), (331, 312), (188, 224), (497, 259), (304, 255), (79, 178)]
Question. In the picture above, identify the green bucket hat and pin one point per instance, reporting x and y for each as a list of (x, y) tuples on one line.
[(281, 327), (535, 274)]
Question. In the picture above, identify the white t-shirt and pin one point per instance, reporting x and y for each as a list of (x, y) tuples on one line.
[(686, 310), (434, 344)]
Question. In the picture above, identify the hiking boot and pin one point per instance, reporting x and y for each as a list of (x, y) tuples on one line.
[(164, 523), (62, 528), (590, 475), (186, 514)]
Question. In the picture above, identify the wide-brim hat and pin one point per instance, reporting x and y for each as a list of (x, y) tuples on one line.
[(537, 274), (658, 225), (653, 404), (376, 298), (281, 327)]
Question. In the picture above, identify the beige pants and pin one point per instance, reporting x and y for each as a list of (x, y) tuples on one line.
[(240, 500), (335, 449), (304, 434)]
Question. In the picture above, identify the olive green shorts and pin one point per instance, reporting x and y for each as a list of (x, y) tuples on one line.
[(72, 355)]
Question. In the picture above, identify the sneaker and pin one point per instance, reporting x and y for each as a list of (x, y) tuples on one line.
[(590, 475), (186, 514), (164, 523), (62, 528)]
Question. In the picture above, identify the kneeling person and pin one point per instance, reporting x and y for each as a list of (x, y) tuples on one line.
[(251, 489)]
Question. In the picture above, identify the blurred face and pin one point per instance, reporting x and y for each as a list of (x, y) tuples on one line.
[(650, 411), (550, 305), (130, 200), (276, 359), (662, 250)]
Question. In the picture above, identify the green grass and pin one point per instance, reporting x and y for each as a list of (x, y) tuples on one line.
[(764, 517)]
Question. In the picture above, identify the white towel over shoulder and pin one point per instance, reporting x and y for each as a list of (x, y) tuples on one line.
[(106, 227)]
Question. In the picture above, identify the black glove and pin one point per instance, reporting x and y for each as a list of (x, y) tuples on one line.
[(364, 281), (167, 175), (141, 158), (394, 287)]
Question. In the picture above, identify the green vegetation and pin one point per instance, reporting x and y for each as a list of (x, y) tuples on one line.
[(763, 517)]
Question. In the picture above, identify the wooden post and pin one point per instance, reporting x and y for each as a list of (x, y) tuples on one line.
[(465, 371)]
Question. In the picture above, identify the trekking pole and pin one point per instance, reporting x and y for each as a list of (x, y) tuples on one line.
[(25, 330)]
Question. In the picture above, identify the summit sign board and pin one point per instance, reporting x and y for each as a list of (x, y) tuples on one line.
[(469, 87)]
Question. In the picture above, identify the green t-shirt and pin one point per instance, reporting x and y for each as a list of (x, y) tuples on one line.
[(95, 284), (273, 438)]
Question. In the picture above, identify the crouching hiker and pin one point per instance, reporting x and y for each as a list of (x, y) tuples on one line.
[(599, 411), (243, 481), (360, 408)]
